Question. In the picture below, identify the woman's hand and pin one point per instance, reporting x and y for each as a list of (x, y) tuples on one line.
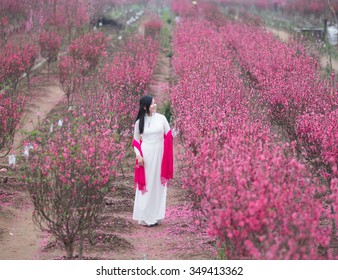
[(140, 160)]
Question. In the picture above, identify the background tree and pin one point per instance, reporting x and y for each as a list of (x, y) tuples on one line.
[(11, 111), (72, 72), (50, 42)]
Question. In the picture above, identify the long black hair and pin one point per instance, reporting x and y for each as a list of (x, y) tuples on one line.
[(145, 103)]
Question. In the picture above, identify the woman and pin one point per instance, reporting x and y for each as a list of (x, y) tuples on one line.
[(154, 163)]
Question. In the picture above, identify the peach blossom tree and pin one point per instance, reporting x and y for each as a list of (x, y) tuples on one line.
[(68, 174)]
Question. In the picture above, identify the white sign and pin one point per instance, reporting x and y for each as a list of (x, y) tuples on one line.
[(11, 160), (332, 33), (26, 149)]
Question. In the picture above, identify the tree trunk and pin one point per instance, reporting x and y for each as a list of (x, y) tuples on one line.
[(69, 246), (48, 63), (81, 244), (54, 10)]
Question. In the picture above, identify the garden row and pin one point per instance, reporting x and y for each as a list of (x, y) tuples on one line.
[(77, 151), (290, 87), (31, 31), (73, 163), (252, 187), (28, 34)]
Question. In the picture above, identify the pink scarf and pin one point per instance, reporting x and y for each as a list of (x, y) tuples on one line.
[(167, 167)]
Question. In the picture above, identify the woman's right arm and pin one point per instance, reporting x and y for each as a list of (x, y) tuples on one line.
[(137, 137)]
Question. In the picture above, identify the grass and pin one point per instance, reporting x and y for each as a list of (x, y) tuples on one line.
[(166, 110), (277, 22), (167, 19)]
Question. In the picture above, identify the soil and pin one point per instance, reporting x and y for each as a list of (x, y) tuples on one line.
[(46, 93), (281, 34), (116, 235)]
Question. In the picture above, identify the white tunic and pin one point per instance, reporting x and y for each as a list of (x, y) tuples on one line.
[(149, 208)]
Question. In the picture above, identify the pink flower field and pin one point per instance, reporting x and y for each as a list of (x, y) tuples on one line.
[(254, 119)]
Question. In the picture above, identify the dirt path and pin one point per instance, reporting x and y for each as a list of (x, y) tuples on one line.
[(177, 237), (46, 94), (19, 238), (159, 85), (281, 34)]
